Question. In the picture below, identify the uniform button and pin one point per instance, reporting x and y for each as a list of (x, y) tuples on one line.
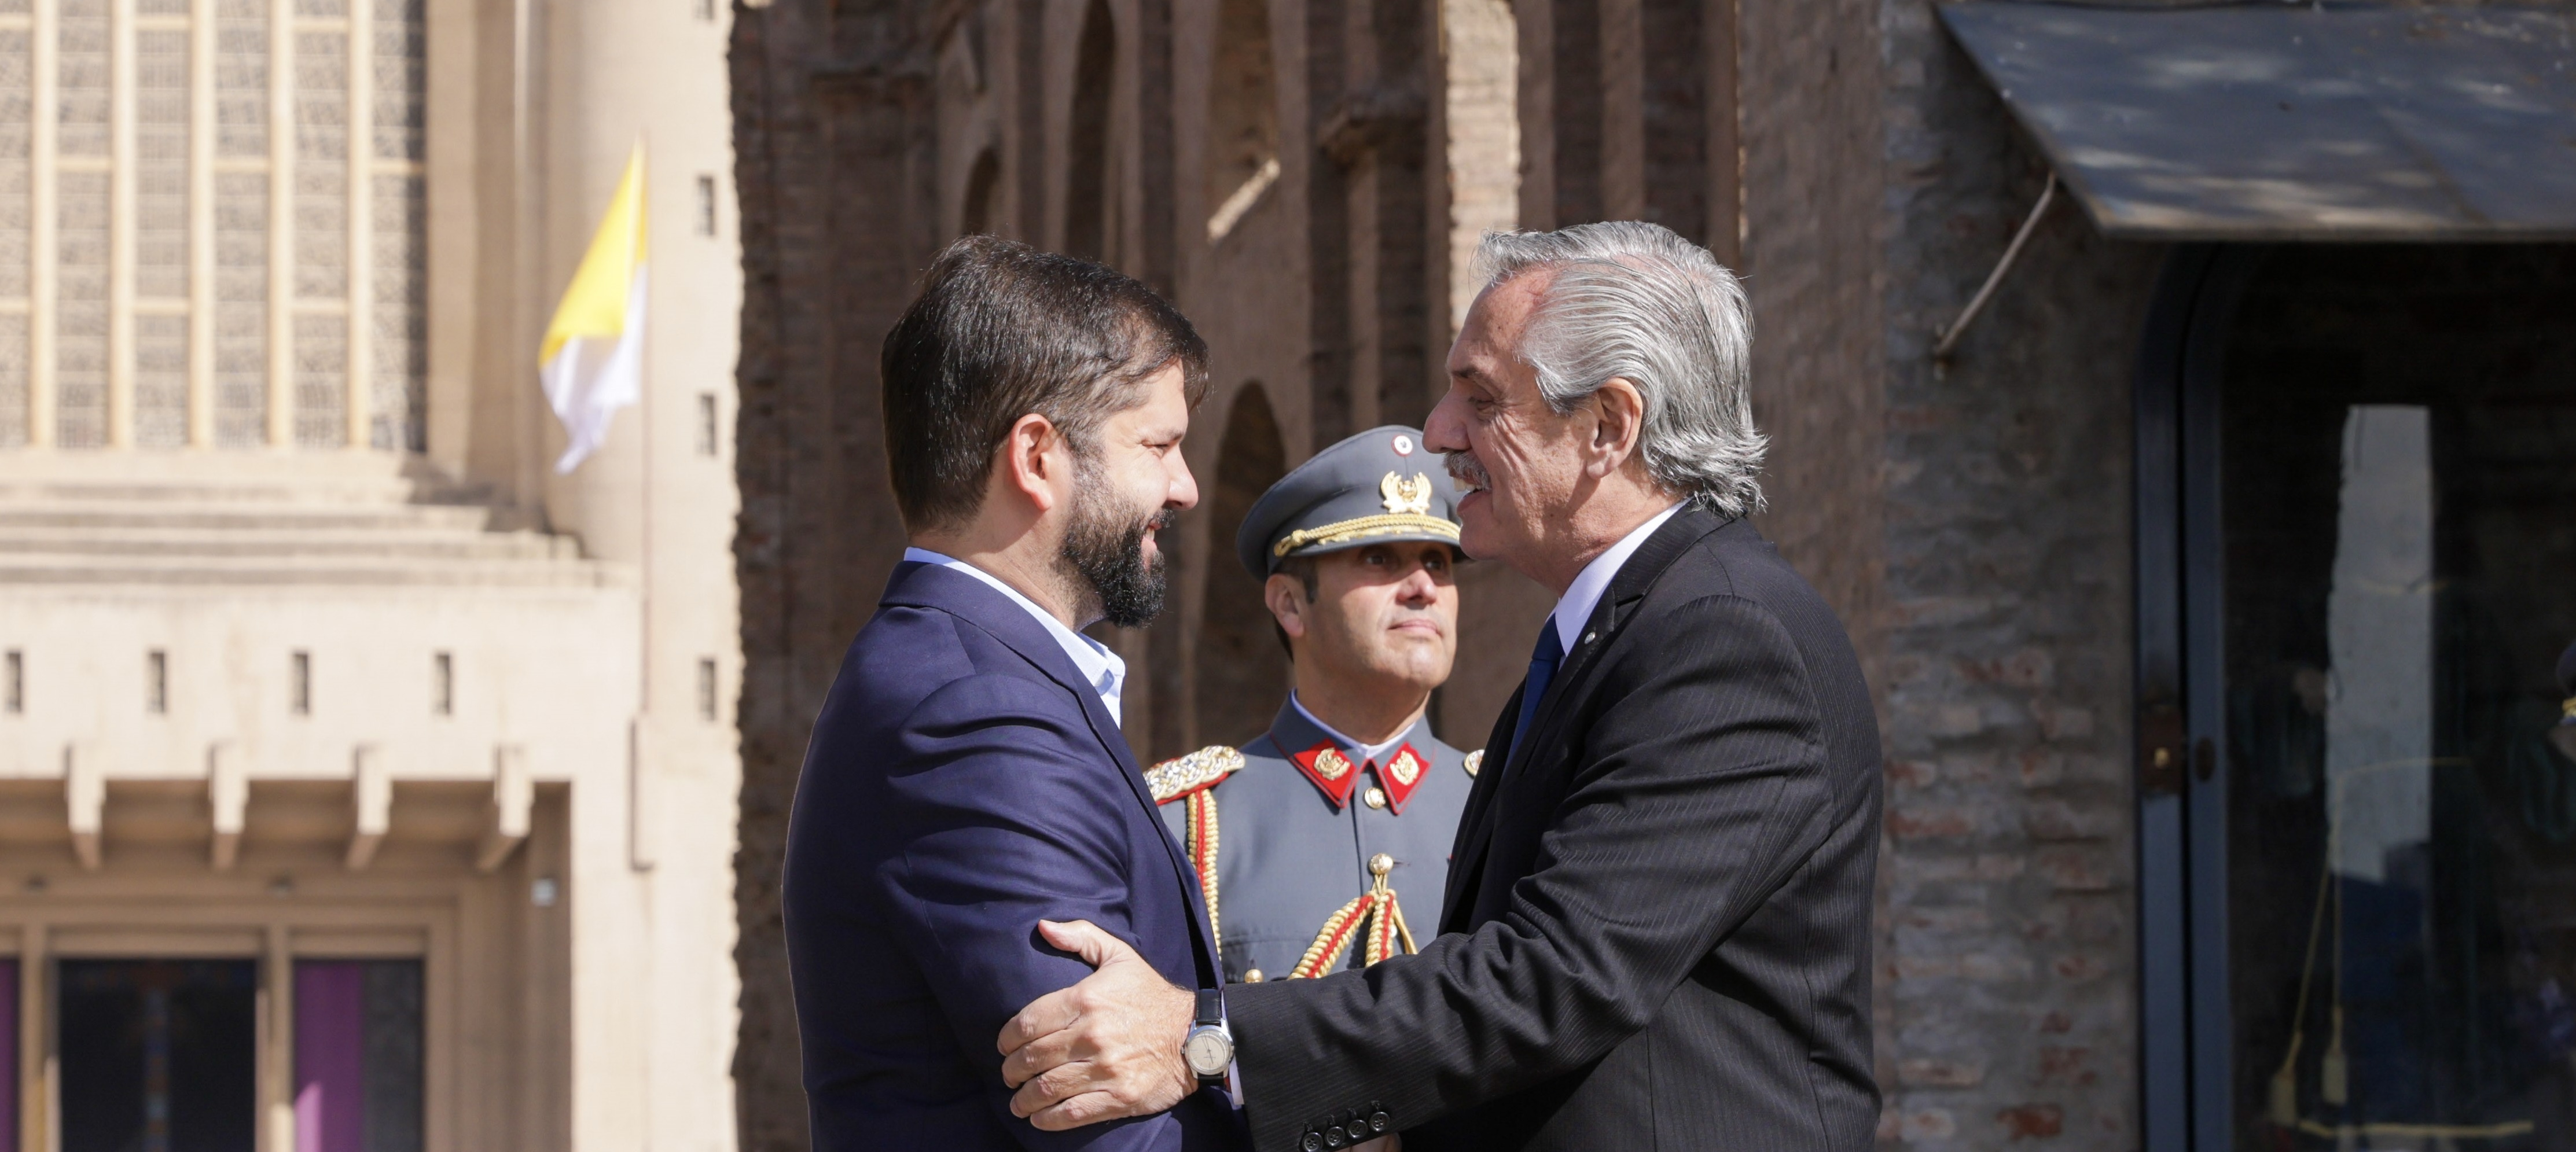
[(1375, 797), (1381, 864), (1253, 976)]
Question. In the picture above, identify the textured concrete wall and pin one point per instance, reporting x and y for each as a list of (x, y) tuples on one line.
[(2008, 990)]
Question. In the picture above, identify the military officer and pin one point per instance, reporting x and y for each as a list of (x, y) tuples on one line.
[(1324, 843)]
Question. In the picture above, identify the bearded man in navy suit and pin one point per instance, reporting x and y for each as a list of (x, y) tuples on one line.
[(967, 779)]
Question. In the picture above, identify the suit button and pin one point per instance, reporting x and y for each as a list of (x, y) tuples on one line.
[(1380, 1122), (1314, 1142), (1334, 1138), (1375, 797)]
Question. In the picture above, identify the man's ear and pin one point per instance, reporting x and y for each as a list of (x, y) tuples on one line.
[(1619, 411), (1286, 596), (1034, 461)]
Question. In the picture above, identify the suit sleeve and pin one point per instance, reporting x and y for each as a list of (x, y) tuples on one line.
[(1020, 818), (1700, 787)]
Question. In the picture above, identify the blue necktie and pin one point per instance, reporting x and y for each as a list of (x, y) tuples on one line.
[(1544, 658)]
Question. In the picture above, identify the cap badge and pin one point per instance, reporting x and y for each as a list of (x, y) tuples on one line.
[(1404, 445), (1330, 771), (1406, 497)]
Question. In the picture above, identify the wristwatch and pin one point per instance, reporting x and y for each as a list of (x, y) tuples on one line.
[(1209, 1049)]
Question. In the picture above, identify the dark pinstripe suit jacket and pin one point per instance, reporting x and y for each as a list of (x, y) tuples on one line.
[(1657, 932)]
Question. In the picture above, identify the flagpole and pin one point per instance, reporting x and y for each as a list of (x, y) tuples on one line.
[(645, 406), (641, 745)]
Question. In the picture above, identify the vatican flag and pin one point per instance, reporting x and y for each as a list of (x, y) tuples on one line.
[(593, 360)]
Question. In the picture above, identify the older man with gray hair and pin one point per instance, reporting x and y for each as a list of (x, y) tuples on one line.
[(1657, 925)]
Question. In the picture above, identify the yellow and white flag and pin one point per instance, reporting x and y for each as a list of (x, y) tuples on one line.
[(593, 360)]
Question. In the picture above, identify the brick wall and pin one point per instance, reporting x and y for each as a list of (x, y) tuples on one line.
[(832, 154), (2008, 994)]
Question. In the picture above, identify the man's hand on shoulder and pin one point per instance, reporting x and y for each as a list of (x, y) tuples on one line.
[(1106, 1048)]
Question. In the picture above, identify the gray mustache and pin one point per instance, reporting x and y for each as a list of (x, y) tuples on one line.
[(1464, 467)]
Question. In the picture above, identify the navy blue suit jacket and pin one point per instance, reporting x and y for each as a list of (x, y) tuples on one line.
[(962, 784)]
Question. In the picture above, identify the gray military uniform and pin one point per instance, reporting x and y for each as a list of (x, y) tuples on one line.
[(1288, 857), (1299, 814)]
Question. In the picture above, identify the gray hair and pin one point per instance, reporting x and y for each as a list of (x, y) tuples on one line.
[(1635, 301)]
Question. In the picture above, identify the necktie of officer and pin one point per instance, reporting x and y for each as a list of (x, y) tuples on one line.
[(1544, 657)]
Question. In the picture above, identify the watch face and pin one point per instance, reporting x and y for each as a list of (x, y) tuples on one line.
[(1207, 1051)]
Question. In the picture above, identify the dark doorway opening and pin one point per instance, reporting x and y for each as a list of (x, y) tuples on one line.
[(2357, 517), (1089, 207), (1242, 673), (159, 1055)]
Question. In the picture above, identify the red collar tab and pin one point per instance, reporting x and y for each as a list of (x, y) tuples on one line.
[(1330, 770), (1402, 772)]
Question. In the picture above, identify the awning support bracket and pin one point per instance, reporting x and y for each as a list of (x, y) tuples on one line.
[(1949, 337)]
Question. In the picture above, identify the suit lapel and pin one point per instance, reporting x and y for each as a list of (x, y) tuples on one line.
[(965, 597), (1470, 840), (1618, 605)]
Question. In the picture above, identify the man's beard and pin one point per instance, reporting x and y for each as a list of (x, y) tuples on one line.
[(1108, 550)]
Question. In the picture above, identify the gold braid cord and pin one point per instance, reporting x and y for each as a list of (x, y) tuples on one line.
[(1343, 532), (1194, 778), (1373, 917), (1203, 841)]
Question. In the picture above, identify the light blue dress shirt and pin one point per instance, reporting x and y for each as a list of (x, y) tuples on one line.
[(1101, 667)]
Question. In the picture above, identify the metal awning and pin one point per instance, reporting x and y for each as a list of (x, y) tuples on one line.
[(2344, 122)]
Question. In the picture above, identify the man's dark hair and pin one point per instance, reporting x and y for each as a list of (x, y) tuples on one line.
[(1000, 331)]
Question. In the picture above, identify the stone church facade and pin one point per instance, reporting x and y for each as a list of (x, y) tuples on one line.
[(365, 783)]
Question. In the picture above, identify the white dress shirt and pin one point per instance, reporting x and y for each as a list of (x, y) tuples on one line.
[(1101, 667), (1582, 596), (1368, 752)]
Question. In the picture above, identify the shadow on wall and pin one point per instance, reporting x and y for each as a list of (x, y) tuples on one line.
[(1242, 673), (1090, 224)]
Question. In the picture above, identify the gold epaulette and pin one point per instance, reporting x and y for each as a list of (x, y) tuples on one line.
[(1475, 760), (1200, 770)]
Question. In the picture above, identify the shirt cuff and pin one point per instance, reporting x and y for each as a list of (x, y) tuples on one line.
[(1233, 1068)]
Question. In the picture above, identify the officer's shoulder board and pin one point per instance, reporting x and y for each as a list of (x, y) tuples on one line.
[(1201, 770), (1475, 760)]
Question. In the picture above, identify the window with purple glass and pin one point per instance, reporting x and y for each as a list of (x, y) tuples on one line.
[(357, 1056), (8, 1047)]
